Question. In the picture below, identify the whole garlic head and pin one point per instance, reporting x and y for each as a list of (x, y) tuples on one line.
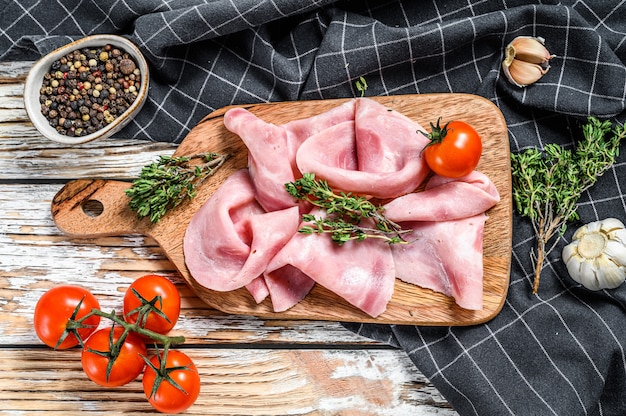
[(526, 60), (596, 256)]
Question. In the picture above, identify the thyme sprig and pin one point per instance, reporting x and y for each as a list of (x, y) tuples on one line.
[(164, 184), (345, 212), (548, 184)]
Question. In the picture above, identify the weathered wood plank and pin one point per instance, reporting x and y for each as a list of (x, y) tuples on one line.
[(25, 155), (14, 72), (35, 255), (11, 95), (234, 382)]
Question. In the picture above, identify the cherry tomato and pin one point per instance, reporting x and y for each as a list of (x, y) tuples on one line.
[(148, 288), (126, 367), (166, 397), (454, 150), (56, 308)]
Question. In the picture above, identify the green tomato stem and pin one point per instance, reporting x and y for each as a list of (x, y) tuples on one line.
[(159, 338)]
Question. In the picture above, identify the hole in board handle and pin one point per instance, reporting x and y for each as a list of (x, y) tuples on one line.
[(93, 208)]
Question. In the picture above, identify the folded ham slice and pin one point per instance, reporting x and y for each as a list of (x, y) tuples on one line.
[(445, 199), (258, 289), (287, 286), (301, 129), (378, 155), (231, 239), (362, 272), (445, 256), (447, 221), (263, 139), (268, 143)]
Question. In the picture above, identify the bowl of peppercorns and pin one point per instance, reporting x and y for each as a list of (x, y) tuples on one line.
[(88, 89)]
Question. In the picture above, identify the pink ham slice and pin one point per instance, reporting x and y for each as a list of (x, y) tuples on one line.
[(337, 163), (287, 286), (258, 289), (231, 239), (446, 257), (360, 272), (447, 220), (378, 156), (301, 129), (263, 139), (271, 173), (445, 199)]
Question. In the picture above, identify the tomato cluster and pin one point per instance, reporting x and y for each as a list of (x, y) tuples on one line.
[(66, 316)]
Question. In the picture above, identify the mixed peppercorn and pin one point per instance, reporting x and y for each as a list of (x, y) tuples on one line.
[(87, 89)]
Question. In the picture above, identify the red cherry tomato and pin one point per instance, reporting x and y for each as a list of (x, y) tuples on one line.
[(454, 150), (58, 306), (164, 296), (166, 397), (126, 367)]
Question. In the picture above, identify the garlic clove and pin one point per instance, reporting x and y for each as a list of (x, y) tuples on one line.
[(616, 251), (592, 227), (618, 235), (570, 252), (529, 49), (522, 73), (526, 60), (587, 276), (572, 260), (608, 274), (581, 231), (611, 224)]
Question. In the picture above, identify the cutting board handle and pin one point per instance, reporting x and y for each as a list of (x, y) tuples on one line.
[(95, 207)]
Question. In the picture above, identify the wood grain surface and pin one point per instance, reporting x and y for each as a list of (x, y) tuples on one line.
[(96, 208)]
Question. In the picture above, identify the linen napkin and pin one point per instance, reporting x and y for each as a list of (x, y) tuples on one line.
[(559, 352)]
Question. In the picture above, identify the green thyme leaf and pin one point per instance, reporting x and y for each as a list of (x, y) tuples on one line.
[(361, 86)]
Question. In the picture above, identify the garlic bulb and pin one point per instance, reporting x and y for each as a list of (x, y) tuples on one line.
[(596, 256), (526, 60)]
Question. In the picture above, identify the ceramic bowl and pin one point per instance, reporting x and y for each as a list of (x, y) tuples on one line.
[(35, 79)]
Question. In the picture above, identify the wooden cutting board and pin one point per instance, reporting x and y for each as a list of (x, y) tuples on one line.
[(409, 305)]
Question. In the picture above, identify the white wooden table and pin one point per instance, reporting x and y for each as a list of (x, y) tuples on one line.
[(248, 366)]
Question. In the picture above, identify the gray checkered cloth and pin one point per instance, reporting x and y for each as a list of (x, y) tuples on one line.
[(560, 352)]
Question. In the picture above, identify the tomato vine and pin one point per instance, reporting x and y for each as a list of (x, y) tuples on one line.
[(68, 315)]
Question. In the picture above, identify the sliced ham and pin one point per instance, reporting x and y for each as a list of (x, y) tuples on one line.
[(258, 289), (246, 233), (446, 256), (447, 220), (331, 155), (287, 286), (379, 155), (362, 272), (301, 129), (445, 199), (267, 144), (231, 239)]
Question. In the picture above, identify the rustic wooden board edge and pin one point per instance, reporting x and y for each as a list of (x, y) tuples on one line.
[(441, 310)]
